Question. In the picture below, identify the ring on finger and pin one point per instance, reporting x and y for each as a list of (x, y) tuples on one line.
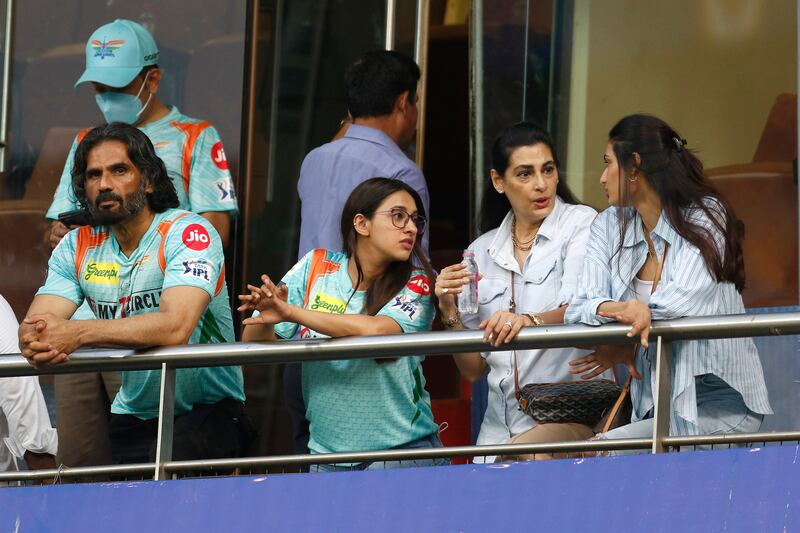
[(509, 324), (445, 290)]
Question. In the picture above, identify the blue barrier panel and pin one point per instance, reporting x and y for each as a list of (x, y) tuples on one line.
[(729, 490)]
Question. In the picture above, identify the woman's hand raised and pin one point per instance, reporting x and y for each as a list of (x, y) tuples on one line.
[(449, 285), (269, 300)]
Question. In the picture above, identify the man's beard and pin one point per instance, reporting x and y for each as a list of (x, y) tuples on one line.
[(131, 206)]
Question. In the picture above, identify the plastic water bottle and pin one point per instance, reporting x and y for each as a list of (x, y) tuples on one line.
[(468, 299)]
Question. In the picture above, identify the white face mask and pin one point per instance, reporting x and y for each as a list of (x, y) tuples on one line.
[(121, 107)]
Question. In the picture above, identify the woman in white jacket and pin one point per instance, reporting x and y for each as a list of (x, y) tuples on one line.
[(530, 266)]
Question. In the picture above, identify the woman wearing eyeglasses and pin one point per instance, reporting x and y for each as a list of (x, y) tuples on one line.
[(371, 288), (529, 266)]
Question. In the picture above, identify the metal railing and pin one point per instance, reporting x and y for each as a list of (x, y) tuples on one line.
[(168, 359)]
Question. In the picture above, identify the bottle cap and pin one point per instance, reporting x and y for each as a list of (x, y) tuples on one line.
[(469, 253)]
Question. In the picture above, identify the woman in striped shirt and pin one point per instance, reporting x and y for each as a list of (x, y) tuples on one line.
[(668, 223)]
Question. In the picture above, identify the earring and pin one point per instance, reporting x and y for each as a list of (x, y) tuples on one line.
[(633, 178), (501, 191)]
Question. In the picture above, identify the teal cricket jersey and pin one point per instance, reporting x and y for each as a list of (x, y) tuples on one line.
[(195, 159), (360, 404), (179, 249)]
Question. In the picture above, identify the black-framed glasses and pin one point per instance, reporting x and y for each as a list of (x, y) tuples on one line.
[(400, 218)]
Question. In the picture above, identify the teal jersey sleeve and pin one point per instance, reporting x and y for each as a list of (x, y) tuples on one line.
[(62, 276), (64, 199), (193, 255), (412, 307), (210, 183), (296, 281)]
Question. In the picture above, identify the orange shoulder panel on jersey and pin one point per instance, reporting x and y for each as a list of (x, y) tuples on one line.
[(85, 242), (81, 135), (192, 130), (320, 266), (163, 229), (220, 281)]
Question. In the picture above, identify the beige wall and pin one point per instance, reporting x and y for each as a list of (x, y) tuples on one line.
[(711, 68)]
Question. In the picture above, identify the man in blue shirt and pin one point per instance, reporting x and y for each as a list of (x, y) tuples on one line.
[(381, 97)]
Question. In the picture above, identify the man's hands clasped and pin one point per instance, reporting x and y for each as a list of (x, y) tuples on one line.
[(46, 340)]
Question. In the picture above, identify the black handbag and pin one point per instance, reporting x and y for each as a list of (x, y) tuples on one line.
[(582, 402)]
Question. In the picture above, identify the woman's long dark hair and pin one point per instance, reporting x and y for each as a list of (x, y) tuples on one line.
[(365, 200), (676, 175), (496, 206)]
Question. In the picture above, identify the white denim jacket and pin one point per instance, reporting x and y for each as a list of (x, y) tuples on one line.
[(548, 280)]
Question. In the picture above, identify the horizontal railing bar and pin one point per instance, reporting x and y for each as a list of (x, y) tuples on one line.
[(88, 471), (408, 454), (402, 454), (427, 343), (732, 438)]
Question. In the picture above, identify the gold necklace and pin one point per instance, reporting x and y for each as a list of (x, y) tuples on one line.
[(523, 246)]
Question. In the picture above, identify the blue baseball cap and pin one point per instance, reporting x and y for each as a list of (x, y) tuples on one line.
[(117, 52)]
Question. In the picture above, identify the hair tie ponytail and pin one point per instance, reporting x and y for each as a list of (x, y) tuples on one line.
[(679, 143)]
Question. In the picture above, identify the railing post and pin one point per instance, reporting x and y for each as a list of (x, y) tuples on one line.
[(166, 419), (662, 394)]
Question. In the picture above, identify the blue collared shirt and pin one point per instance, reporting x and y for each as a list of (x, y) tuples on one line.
[(331, 172), (686, 288)]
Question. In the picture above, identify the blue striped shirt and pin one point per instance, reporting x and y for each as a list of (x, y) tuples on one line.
[(687, 288)]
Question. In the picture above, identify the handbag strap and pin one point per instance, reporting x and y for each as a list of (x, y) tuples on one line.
[(627, 387)]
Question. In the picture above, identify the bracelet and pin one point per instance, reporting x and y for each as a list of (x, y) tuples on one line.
[(453, 321), (536, 319)]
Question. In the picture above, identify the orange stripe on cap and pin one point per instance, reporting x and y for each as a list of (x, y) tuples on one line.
[(320, 266), (87, 240), (163, 229), (192, 130)]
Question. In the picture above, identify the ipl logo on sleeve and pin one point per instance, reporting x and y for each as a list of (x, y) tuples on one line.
[(198, 268), (407, 305), (196, 237)]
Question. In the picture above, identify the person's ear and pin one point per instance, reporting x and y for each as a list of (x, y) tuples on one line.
[(497, 181), (361, 225), (401, 103), (637, 161), (149, 188), (153, 80)]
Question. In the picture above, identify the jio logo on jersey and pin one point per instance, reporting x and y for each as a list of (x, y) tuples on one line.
[(218, 156), (196, 237), (420, 285)]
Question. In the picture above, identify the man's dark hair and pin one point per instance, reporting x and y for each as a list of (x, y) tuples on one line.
[(142, 155), (373, 83)]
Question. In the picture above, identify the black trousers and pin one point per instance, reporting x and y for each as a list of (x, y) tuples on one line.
[(208, 431), (295, 403)]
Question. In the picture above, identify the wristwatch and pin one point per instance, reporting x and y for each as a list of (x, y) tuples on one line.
[(454, 320), (536, 319)]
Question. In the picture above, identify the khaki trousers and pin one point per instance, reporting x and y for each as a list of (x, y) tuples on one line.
[(83, 411), (548, 433)]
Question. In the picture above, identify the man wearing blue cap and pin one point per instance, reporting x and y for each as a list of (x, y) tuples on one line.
[(122, 66)]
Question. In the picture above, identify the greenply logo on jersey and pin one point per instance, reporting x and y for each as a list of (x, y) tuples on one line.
[(104, 49), (105, 273), (327, 304)]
